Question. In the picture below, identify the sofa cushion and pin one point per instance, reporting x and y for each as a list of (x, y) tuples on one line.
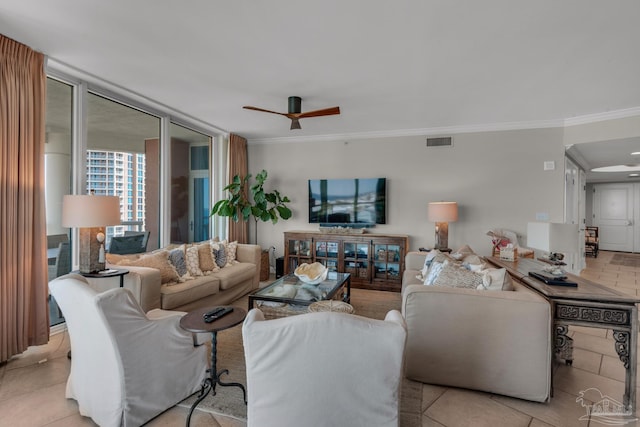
[(456, 276), (192, 259), (177, 259), (432, 274), (160, 261), (118, 259), (206, 257), (180, 294), (496, 279), (235, 274), (219, 254), (230, 249)]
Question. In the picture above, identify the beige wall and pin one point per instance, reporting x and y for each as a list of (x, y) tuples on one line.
[(628, 127), (497, 178)]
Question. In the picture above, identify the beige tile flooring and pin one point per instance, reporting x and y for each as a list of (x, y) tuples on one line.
[(32, 384)]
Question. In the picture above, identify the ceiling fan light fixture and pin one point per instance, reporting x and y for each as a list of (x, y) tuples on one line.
[(295, 112)]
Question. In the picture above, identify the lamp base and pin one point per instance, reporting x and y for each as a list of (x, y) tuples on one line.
[(442, 235), (89, 250)]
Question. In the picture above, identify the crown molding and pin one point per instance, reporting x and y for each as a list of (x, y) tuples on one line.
[(446, 130), (600, 117)]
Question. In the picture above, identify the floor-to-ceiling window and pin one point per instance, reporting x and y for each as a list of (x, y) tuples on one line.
[(107, 143), (190, 185), (58, 175), (122, 159)]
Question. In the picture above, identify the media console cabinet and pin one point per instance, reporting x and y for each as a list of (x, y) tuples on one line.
[(375, 261)]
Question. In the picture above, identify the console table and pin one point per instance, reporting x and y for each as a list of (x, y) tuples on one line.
[(589, 304)]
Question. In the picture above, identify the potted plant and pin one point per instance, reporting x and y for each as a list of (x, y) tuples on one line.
[(262, 205)]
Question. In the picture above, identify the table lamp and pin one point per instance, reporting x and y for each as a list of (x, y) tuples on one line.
[(442, 213), (555, 238), (90, 214)]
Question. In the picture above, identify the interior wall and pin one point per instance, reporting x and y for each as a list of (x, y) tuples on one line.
[(497, 178)]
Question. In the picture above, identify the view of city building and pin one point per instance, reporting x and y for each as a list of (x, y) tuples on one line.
[(116, 173)]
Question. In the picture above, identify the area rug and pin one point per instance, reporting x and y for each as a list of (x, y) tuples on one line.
[(228, 401), (628, 260)]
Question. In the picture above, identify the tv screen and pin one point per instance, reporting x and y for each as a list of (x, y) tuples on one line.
[(347, 201)]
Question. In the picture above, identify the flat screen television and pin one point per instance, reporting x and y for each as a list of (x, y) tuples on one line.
[(359, 202)]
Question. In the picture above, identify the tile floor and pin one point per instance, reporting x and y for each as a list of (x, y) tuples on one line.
[(32, 384)]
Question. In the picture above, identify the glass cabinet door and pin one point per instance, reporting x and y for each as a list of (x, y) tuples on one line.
[(387, 261), (326, 253), (299, 253), (356, 259)]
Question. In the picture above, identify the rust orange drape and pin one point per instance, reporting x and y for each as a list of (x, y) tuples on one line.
[(238, 165), (24, 315)]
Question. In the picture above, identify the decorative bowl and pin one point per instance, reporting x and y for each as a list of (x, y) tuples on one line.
[(311, 274)]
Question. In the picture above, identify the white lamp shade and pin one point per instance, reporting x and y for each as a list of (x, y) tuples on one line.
[(552, 237), (90, 211), (442, 211)]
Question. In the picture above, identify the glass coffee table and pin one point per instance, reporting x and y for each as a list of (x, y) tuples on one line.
[(289, 296)]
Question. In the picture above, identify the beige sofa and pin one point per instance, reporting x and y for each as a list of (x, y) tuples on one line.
[(219, 288), (493, 341)]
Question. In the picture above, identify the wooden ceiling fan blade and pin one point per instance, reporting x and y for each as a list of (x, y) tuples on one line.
[(248, 107), (317, 113)]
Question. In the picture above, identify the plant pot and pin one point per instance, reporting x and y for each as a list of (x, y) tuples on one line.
[(264, 266)]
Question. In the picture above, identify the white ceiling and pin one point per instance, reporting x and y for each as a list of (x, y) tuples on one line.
[(404, 66)]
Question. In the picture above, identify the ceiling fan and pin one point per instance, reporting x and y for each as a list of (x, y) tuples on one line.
[(295, 111)]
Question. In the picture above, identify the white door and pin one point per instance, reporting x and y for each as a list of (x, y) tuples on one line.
[(574, 211), (613, 214)]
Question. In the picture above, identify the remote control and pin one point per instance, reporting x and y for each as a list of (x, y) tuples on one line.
[(213, 312), (224, 312)]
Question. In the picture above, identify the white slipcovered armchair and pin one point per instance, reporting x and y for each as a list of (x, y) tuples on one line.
[(330, 369), (126, 367)]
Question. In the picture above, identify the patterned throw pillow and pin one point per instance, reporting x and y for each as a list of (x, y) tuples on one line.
[(455, 276), (207, 261), (176, 257), (432, 274), (220, 254), (230, 249), (158, 260), (192, 259)]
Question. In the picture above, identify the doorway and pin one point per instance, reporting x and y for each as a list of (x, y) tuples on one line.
[(615, 212)]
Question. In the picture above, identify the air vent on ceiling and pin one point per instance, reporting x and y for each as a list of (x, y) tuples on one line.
[(445, 141)]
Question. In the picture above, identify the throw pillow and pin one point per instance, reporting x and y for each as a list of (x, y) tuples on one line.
[(192, 259), (160, 261), (473, 262), (177, 258), (462, 252), (231, 249), (456, 276), (220, 254), (121, 259), (205, 257), (427, 263), (496, 279), (432, 274)]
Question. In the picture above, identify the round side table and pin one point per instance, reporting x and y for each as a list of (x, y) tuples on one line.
[(194, 322)]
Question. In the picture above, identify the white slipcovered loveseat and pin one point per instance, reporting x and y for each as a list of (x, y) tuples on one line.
[(490, 340)]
